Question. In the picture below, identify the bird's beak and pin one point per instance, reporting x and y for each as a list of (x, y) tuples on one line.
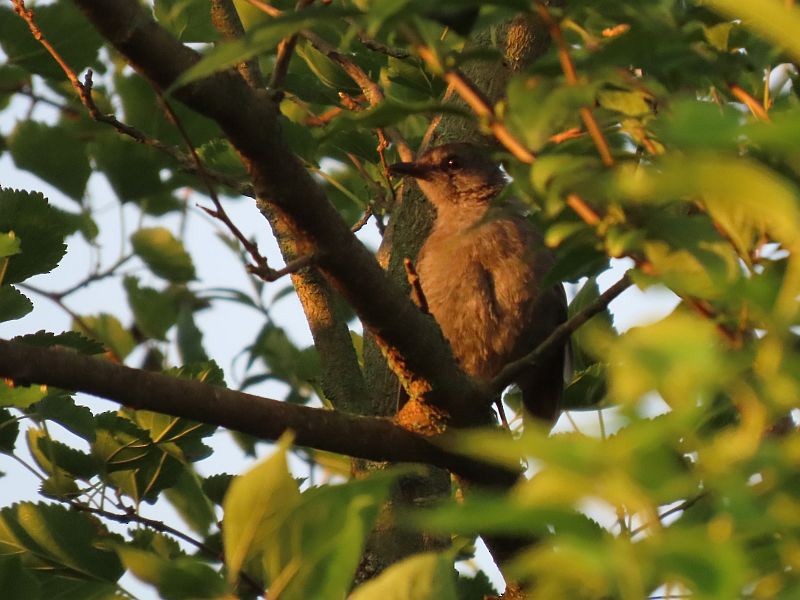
[(410, 169)]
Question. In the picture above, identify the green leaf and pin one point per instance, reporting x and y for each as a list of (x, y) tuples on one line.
[(771, 18), (131, 462), (53, 456), (9, 431), (598, 326), (114, 156), (320, 543), (255, 506), (109, 331), (66, 339), (189, 336), (13, 303), (216, 486), (680, 357), (627, 102), (61, 408), (426, 576), (154, 312), (187, 20), (176, 578), (188, 498), (65, 165), (16, 581), (40, 229), (260, 38), (539, 108), (52, 537), (587, 390), (21, 396), (9, 244), (164, 254), (64, 26)]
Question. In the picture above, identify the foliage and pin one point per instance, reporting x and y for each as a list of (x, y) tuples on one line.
[(691, 175)]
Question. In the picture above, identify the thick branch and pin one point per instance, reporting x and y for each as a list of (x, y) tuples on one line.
[(249, 119), (372, 438)]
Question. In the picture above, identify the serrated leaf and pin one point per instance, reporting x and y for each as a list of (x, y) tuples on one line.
[(216, 486), (427, 576), (61, 408), (58, 454), (13, 303), (50, 536), (20, 396), (130, 461), (67, 339), (65, 165), (164, 254), (40, 228), (9, 431)]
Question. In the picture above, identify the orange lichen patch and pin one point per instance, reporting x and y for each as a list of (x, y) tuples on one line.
[(422, 418)]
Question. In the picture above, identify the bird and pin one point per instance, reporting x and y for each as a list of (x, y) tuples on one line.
[(481, 272)]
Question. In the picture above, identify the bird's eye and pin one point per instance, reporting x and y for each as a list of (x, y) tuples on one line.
[(451, 163)]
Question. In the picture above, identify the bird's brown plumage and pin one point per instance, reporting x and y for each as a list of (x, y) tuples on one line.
[(481, 270)]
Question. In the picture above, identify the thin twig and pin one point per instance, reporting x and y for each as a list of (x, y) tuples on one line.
[(571, 77), (376, 46), (362, 220), (675, 509), (97, 276), (559, 335), (261, 267)]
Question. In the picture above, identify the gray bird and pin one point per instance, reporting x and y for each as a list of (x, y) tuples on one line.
[(480, 272)]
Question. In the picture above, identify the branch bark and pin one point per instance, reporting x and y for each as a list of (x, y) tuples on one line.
[(371, 438)]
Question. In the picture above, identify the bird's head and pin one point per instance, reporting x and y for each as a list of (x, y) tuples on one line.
[(455, 174)]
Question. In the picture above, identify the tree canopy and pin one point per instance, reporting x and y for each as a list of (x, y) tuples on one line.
[(661, 135)]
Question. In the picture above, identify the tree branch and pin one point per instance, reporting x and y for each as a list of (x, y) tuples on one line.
[(371, 438)]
